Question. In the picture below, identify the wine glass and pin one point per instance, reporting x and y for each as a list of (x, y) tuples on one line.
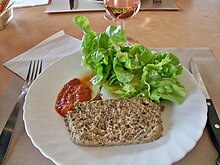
[(121, 10)]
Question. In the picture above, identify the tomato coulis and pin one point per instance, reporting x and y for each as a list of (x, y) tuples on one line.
[(76, 90)]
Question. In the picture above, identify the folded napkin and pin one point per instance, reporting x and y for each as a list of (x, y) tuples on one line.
[(79, 5), (50, 50), (90, 5), (27, 3)]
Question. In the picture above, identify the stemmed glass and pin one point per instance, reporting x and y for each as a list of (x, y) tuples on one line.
[(121, 10)]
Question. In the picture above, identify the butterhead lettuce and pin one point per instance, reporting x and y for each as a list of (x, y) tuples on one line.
[(129, 70)]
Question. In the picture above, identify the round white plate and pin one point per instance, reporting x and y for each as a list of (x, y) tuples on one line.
[(183, 124)]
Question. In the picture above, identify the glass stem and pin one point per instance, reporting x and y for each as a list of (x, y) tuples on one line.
[(122, 24)]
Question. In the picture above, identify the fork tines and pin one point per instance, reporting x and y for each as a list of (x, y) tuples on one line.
[(35, 68), (157, 1)]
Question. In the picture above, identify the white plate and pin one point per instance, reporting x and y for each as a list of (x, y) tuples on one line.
[(183, 124)]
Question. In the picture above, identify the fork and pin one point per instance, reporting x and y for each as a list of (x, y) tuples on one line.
[(157, 1), (35, 68)]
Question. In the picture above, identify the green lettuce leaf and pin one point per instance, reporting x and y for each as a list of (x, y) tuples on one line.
[(129, 70)]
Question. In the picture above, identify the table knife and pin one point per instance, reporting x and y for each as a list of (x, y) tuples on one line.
[(71, 2), (213, 123), (8, 130)]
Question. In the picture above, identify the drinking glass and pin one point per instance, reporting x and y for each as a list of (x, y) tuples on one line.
[(121, 10)]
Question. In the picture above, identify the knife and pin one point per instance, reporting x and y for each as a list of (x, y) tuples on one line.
[(213, 122), (71, 2)]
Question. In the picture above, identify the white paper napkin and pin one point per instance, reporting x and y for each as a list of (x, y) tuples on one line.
[(27, 3), (88, 5), (50, 50), (79, 5)]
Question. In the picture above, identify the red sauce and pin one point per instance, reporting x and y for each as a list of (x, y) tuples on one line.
[(74, 91)]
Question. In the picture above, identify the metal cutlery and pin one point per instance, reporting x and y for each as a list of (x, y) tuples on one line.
[(213, 122), (35, 68), (72, 4)]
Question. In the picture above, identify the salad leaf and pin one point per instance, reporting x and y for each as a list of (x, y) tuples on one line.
[(83, 23), (167, 89), (129, 70)]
